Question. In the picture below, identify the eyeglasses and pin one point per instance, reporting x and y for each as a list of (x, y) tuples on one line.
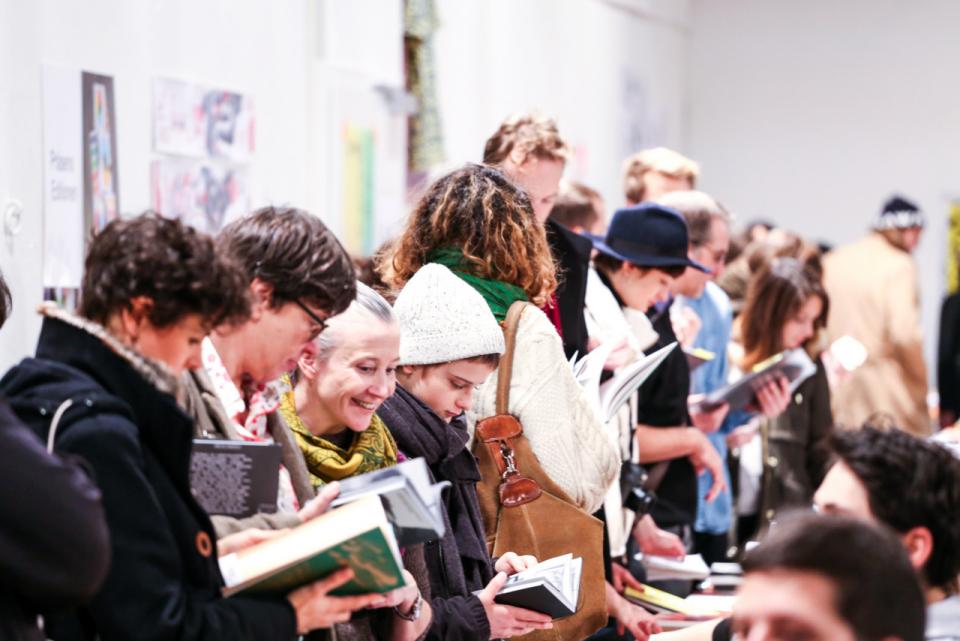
[(322, 324)]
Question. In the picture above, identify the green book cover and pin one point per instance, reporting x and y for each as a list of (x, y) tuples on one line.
[(374, 568)]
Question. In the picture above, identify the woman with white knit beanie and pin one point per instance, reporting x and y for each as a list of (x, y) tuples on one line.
[(449, 344)]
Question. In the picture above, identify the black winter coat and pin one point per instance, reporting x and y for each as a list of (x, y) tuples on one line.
[(45, 502), (164, 581)]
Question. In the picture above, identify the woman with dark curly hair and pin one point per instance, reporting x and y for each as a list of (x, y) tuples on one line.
[(103, 387)]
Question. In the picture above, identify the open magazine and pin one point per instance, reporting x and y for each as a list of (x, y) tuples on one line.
[(410, 497), (794, 365), (610, 396)]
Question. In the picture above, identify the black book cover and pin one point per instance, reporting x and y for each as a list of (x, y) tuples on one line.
[(537, 597), (235, 478)]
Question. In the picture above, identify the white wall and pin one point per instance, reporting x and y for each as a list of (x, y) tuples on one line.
[(811, 113), (255, 46), (570, 59)]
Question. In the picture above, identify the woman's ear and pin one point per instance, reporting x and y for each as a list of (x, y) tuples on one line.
[(919, 544), (261, 298), (307, 366), (134, 314)]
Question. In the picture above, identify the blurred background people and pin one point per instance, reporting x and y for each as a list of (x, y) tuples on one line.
[(872, 284)]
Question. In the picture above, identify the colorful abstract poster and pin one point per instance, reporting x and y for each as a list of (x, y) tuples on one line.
[(63, 163), (204, 194), (101, 194), (358, 189), (202, 122)]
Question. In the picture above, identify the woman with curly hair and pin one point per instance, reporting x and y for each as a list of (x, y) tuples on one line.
[(481, 226)]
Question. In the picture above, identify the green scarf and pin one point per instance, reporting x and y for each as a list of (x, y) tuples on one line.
[(371, 449), (498, 294)]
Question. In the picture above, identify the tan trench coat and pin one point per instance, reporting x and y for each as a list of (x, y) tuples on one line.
[(874, 298)]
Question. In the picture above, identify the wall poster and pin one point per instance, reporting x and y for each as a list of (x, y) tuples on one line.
[(80, 180), (206, 138)]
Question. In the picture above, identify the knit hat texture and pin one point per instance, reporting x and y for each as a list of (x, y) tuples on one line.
[(899, 213), (443, 319)]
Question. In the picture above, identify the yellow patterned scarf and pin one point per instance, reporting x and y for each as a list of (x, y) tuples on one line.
[(371, 449)]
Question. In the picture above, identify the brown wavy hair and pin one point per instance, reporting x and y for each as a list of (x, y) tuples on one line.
[(525, 136), (477, 210), (774, 296), (173, 264)]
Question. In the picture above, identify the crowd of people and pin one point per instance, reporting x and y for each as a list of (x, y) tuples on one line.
[(457, 348)]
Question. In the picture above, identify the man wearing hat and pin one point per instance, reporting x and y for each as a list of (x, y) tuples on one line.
[(872, 285)]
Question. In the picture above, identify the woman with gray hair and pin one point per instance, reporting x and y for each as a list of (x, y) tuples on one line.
[(331, 410), (335, 394)]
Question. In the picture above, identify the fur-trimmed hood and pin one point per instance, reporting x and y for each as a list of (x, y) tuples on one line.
[(155, 372)]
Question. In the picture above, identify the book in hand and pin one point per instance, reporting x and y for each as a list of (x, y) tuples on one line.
[(794, 365), (357, 535), (551, 587), (609, 397), (659, 601), (697, 356), (235, 478), (665, 568), (412, 501)]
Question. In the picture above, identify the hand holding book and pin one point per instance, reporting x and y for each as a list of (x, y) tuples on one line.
[(316, 608), (505, 620)]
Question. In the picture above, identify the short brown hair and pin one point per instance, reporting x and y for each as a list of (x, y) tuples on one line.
[(875, 589), (774, 296), (174, 265), (661, 160), (296, 254), (699, 210), (477, 210), (575, 206), (525, 136)]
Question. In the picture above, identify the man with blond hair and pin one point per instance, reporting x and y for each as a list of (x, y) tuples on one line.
[(651, 173)]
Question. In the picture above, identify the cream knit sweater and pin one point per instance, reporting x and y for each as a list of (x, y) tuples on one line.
[(558, 420)]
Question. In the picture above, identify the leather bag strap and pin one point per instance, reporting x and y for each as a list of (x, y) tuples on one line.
[(510, 325)]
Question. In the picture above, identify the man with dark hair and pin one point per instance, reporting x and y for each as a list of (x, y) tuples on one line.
[(299, 275), (837, 579), (912, 486), (909, 485)]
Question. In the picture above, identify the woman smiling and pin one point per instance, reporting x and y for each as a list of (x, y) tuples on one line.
[(332, 407), (332, 412)]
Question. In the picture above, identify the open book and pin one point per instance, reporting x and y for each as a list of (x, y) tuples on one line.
[(235, 478), (697, 356), (664, 568), (659, 601), (357, 535), (411, 500), (612, 394), (794, 364), (551, 587)]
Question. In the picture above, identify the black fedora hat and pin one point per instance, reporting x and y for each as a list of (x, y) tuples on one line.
[(648, 235)]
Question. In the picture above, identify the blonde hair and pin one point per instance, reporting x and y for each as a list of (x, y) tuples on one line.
[(524, 136), (478, 211), (661, 160)]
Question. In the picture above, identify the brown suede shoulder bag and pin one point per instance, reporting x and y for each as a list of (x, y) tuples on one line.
[(526, 512)]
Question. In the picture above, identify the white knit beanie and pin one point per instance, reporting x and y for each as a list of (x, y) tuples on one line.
[(443, 319)]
